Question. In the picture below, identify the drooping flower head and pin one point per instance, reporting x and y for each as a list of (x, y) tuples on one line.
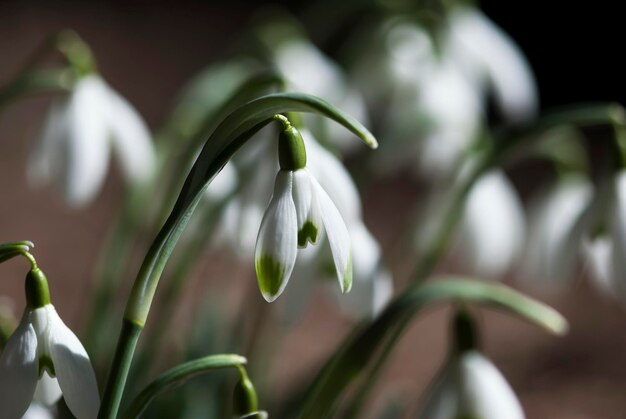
[(77, 138), (300, 212), (44, 359), (470, 386)]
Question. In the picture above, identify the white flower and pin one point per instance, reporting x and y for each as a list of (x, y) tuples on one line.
[(494, 59), (43, 344), (471, 387), (554, 239), (492, 226), (605, 253), (298, 210), (77, 136), (434, 96)]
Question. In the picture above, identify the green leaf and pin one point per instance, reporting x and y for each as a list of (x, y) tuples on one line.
[(352, 358), (179, 375)]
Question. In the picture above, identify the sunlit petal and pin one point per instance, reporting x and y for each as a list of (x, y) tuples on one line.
[(73, 369), (277, 242), (338, 237)]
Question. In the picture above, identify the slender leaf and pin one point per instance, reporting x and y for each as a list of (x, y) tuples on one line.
[(353, 357), (178, 375)]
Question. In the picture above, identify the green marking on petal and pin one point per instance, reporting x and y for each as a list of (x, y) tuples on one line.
[(347, 276), (45, 363), (270, 274), (308, 233)]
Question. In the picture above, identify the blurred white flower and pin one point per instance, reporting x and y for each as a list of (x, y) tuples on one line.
[(309, 71), (433, 98), (494, 62), (553, 241), (605, 253), (77, 137), (43, 345), (470, 386), (492, 227)]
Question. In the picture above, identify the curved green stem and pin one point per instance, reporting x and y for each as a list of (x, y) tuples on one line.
[(179, 375), (227, 138)]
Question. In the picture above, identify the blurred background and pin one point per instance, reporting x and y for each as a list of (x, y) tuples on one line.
[(148, 50)]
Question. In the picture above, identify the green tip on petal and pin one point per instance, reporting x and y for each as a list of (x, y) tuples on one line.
[(270, 274), (308, 233), (347, 277)]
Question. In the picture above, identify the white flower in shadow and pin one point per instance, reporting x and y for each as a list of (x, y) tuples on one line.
[(470, 386), (43, 347)]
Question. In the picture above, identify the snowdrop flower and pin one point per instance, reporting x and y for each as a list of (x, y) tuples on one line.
[(495, 61), (297, 211), (43, 351), (436, 96), (471, 387), (553, 239), (77, 137), (492, 226), (605, 252)]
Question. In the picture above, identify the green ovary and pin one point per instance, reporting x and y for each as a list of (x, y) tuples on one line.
[(308, 232), (270, 274)]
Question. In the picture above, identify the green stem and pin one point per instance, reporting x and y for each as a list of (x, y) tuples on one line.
[(129, 335), (179, 375), (189, 256)]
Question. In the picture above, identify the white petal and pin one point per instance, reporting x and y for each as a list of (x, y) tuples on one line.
[(131, 137), (277, 242), (36, 411), (19, 370), (48, 159), (87, 145), (307, 209), (48, 391), (618, 235), (597, 255), (551, 248), (500, 59), (492, 228), (338, 237), (73, 369), (485, 393), (333, 177)]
